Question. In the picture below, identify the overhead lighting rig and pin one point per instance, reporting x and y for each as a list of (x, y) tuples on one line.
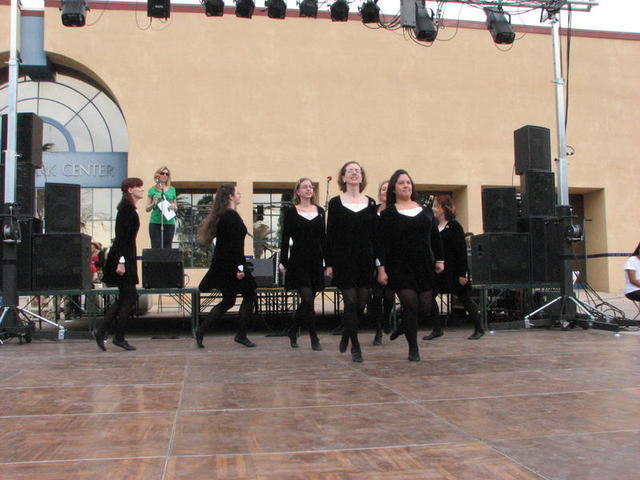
[(276, 8), (73, 13), (370, 12), (308, 8), (213, 8), (339, 11)]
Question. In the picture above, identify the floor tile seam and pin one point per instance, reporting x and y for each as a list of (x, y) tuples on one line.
[(564, 435), (90, 459), (87, 414), (90, 385), (291, 407), (533, 394), (518, 462), (324, 450), (174, 426)]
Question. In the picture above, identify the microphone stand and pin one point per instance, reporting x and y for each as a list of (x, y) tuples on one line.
[(326, 197)]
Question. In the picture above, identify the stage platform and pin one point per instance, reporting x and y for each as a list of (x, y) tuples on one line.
[(527, 404)]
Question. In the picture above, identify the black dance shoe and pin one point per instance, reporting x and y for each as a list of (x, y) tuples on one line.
[(356, 355), (244, 341), (477, 335), (377, 340), (315, 344), (414, 355), (395, 334), (293, 339), (199, 339), (434, 334), (99, 339), (344, 343), (123, 344)]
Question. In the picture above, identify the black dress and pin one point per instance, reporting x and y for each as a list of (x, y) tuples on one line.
[(350, 250), (409, 247), (228, 256), (304, 261), (124, 245), (455, 259)]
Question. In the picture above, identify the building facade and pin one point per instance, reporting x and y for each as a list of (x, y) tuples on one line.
[(263, 102)]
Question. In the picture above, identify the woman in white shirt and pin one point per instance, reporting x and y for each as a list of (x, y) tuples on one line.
[(632, 276)]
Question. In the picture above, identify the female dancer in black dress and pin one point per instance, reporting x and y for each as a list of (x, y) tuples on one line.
[(303, 226), (455, 277), (408, 234), (382, 297), (121, 266), (227, 272), (350, 253)]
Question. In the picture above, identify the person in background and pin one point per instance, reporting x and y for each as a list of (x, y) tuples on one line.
[(161, 229), (632, 276), (302, 262), (228, 272), (382, 297), (455, 277), (121, 267)]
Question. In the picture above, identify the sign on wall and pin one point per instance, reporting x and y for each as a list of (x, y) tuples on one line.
[(89, 169)]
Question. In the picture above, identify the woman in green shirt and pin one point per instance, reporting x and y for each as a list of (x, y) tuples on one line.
[(161, 229)]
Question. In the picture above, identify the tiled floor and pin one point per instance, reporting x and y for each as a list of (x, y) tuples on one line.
[(529, 404)]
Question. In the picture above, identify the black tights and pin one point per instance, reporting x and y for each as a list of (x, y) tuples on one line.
[(382, 301), (469, 305), (305, 313), (118, 313), (355, 300), (414, 305), (228, 301)]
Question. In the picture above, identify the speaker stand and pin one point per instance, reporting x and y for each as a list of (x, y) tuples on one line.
[(24, 326)]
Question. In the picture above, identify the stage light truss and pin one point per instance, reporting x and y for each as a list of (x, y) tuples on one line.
[(549, 5)]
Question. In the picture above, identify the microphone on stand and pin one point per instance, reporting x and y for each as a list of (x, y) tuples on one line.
[(326, 201)]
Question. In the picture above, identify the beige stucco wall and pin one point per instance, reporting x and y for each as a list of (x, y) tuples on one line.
[(228, 99)]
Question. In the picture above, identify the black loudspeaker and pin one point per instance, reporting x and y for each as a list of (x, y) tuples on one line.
[(29, 139), (162, 268), (499, 209), (545, 247), (28, 227), (263, 270), (25, 190), (61, 261), (61, 207), (498, 258), (532, 148), (538, 193)]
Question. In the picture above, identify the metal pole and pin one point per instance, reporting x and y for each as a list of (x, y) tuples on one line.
[(9, 273), (563, 186)]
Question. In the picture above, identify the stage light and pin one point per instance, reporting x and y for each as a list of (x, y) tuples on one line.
[(425, 30), (73, 13), (276, 8), (340, 11), (213, 8), (499, 26), (308, 8), (370, 12), (159, 8), (244, 8)]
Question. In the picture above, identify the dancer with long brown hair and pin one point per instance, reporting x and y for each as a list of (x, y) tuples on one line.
[(228, 272)]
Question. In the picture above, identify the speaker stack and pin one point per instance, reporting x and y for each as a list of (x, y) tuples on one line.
[(62, 255), (29, 159), (162, 268), (521, 248)]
